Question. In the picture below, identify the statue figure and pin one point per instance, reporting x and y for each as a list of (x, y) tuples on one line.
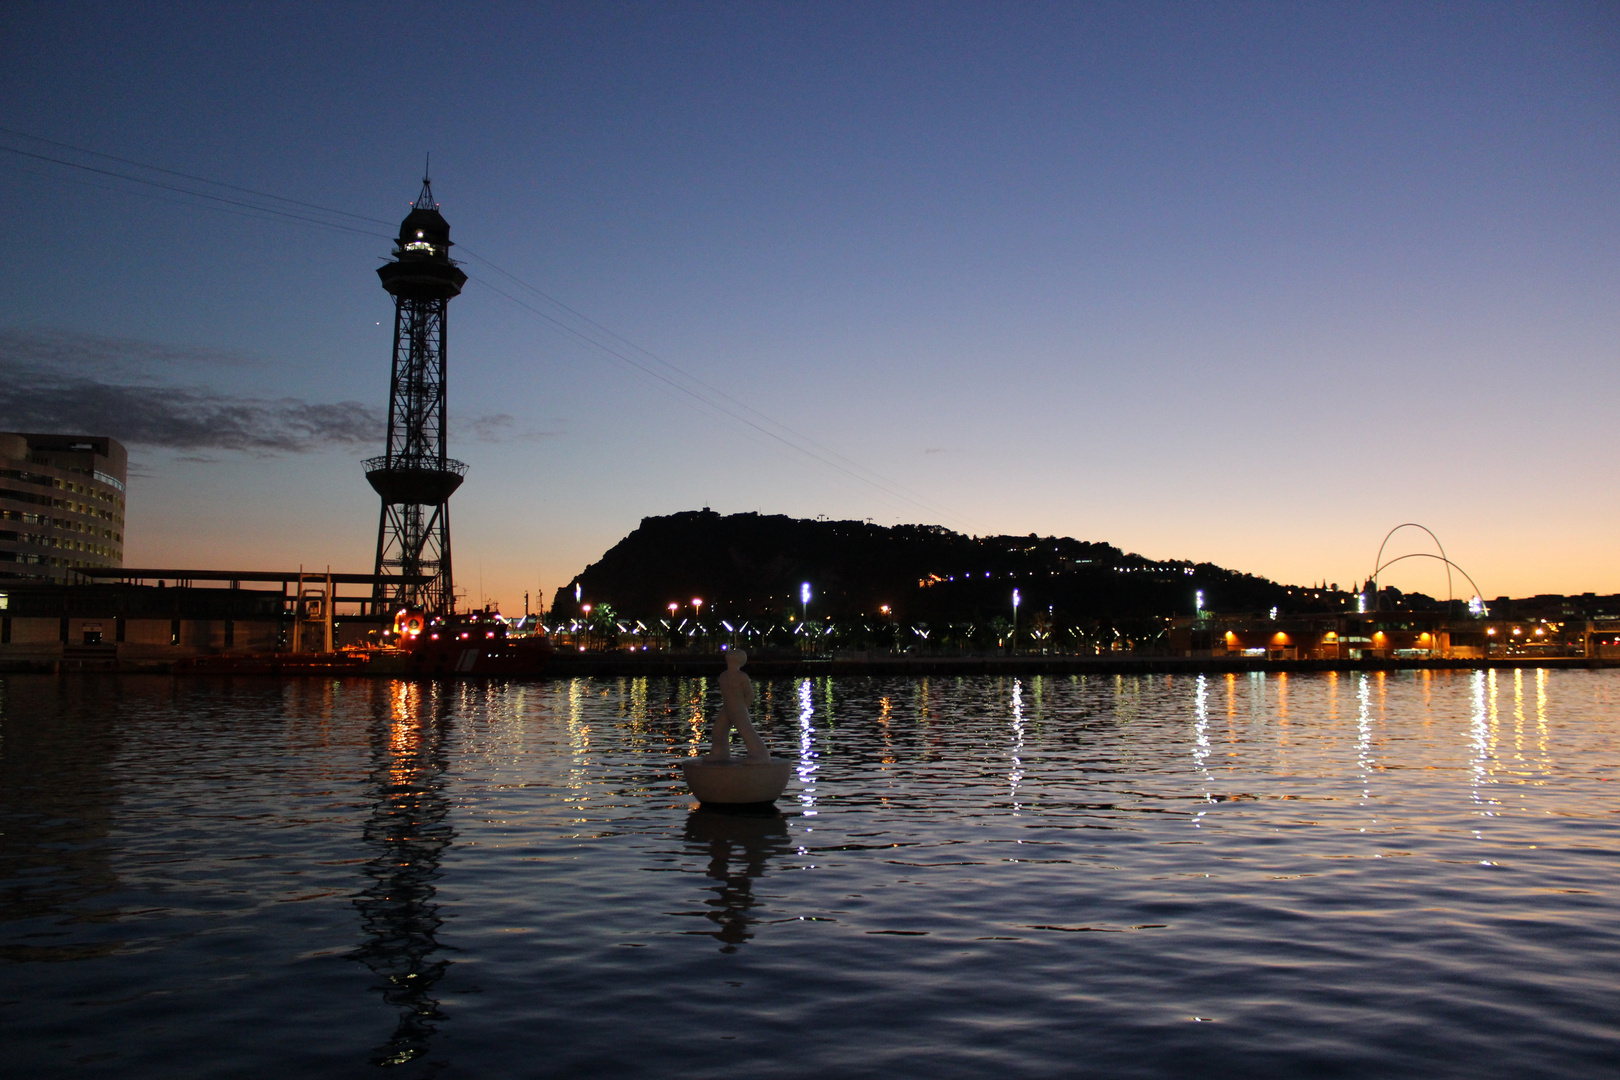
[(717, 778), (736, 699)]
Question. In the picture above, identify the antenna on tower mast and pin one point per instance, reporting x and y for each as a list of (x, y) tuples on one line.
[(424, 201)]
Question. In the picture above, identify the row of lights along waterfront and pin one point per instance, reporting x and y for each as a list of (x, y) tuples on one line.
[(805, 594)]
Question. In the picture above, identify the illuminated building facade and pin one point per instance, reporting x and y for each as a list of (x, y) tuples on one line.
[(61, 505)]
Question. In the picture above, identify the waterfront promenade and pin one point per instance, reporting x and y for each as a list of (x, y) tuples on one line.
[(620, 664), (889, 665)]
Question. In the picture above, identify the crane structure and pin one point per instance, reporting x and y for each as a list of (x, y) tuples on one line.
[(414, 476)]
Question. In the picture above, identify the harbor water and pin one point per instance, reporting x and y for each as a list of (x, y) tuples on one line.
[(1258, 875)]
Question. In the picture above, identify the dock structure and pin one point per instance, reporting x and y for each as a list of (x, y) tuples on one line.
[(124, 618)]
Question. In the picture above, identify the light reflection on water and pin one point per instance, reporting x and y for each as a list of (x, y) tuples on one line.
[(1356, 873), (408, 832), (807, 751)]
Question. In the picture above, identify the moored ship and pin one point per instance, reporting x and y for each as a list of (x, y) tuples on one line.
[(469, 645), (473, 645)]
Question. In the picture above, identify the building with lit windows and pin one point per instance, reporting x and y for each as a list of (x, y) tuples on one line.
[(61, 505)]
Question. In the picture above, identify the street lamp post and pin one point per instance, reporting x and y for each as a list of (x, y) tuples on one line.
[(1016, 599), (804, 611), (697, 614), (586, 608), (669, 639)]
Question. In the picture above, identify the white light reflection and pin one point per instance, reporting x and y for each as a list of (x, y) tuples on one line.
[(697, 723), (1518, 716), (1364, 758), (807, 752), (579, 745), (1542, 757), (1484, 700), (638, 703), (1200, 752), (1016, 773)]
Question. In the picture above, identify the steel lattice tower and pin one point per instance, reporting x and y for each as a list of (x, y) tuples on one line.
[(414, 476)]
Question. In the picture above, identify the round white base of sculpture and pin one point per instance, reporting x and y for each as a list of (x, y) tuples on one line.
[(737, 781)]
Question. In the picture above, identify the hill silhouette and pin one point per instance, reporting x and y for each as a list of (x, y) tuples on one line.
[(751, 566)]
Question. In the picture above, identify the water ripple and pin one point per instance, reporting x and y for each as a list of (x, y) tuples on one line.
[(1362, 874)]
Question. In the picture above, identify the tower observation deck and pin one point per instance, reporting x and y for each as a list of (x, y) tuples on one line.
[(413, 475)]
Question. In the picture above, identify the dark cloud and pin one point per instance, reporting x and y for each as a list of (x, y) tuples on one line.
[(136, 392), (70, 382), (495, 428), (92, 355)]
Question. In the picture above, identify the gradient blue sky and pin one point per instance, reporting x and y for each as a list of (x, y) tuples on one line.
[(1249, 283)]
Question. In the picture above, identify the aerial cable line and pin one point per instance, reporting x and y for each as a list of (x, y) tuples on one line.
[(192, 176), (860, 472), (850, 468), (255, 212), (651, 378), (251, 214), (893, 491), (794, 440), (194, 194)]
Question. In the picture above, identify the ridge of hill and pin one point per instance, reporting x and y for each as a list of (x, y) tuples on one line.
[(751, 566)]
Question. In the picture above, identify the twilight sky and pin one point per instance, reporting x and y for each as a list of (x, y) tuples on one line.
[(1249, 283)]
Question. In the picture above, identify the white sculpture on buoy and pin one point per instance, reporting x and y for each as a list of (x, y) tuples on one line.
[(736, 698), (720, 778)]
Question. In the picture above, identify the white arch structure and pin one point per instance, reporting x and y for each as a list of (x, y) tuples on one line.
[(1379, 565)]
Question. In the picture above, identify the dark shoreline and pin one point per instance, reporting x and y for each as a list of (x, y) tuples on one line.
[(658, 665)]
